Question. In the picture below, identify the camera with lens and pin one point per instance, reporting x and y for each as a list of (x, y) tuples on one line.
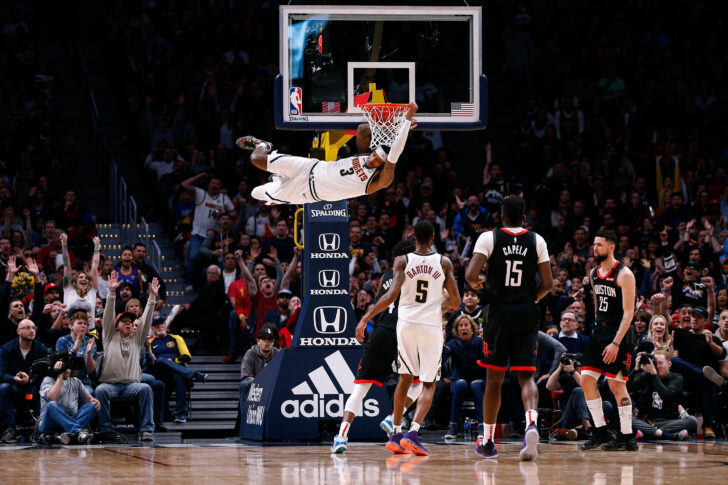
[(646, 359), (568, 359), (45, 366)]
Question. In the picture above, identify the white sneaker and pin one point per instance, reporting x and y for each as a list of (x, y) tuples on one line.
[(387, 426), (713, 376), (340, 444)]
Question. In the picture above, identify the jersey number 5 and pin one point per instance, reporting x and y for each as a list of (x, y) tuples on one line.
[(421, 295), (603, 304), (513, 273)]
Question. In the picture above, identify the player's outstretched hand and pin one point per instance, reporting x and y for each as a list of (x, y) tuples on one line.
[(411, 111)]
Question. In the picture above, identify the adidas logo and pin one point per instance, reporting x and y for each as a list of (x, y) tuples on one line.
[(325, 400)]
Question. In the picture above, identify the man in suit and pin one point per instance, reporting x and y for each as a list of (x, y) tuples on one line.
[(569, 338)]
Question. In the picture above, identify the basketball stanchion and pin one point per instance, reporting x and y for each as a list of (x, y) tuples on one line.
[(300, 395)]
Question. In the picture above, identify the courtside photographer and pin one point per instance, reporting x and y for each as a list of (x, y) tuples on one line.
[(656, 392)]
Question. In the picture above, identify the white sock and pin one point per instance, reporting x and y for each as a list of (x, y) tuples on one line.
[(344, 428), (397, 428), (415, 426), (488, 432), (595, 408), (625, 418), (531, 417)]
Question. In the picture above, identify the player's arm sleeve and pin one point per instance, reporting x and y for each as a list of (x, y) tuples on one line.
[(396, 150), (484, 244), (542, 249)]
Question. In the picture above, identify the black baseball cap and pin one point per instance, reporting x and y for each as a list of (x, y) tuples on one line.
[(700, 310), (266, 333)]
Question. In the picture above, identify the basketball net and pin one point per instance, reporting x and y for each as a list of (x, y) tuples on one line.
[(385, 121)]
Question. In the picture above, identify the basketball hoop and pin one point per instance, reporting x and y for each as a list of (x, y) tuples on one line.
[(385, 121)]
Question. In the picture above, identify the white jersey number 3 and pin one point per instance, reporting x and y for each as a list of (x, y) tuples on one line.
[(513, 273)]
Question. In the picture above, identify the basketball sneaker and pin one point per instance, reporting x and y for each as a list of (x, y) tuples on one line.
[(452, 432), (339, 445), (411, 441), (387, 426), (713, 376), (251, 143), (393, 444), (597, 437), (623, 442), (529, 451), (486, 449)]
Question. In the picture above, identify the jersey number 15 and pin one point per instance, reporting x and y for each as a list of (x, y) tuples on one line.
[(513, 273)]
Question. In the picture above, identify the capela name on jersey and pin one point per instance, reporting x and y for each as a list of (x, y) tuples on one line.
[(515, 249)]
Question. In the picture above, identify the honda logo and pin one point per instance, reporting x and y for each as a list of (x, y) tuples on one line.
[(329, 241), (329, 319), (329, 278)]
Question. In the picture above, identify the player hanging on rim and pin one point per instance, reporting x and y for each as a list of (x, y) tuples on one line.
[(376, 361), (514, 256), (300, 180), (420, 276), (611, 350)]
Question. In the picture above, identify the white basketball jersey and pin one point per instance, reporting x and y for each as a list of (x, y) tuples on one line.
[(421, 295), (343, 179)]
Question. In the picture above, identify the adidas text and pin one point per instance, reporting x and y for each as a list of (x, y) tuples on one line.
[(318, 407), (329, 255), (328, 341)]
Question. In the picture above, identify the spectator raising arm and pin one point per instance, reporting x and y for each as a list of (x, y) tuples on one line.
[(249, 280), (146, 318), (95, 263), (292, 267), (109, 309)]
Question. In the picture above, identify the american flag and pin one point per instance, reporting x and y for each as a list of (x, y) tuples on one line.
[(461, 109), (331, 107)]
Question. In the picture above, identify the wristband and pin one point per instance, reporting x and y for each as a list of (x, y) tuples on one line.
[(616, 343)]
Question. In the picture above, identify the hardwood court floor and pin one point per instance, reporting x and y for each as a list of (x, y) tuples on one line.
[(180, 464)]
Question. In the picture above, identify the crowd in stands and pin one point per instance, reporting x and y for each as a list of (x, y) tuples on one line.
[(606, 119), (609, 119), (58, 292)]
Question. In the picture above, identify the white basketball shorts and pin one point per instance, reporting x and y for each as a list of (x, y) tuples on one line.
[(419, 350), (290, 185)]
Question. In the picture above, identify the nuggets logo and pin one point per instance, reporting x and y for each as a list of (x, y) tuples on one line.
[(170, 345), (295, 102)]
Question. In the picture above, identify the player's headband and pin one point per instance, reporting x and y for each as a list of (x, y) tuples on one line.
[(381, 153)]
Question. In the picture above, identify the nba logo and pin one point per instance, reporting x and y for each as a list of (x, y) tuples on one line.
[(295, 102)]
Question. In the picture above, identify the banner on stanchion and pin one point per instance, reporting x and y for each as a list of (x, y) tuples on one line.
[(305, 387)]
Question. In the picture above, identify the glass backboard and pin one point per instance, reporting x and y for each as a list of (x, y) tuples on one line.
[(336, 58)]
